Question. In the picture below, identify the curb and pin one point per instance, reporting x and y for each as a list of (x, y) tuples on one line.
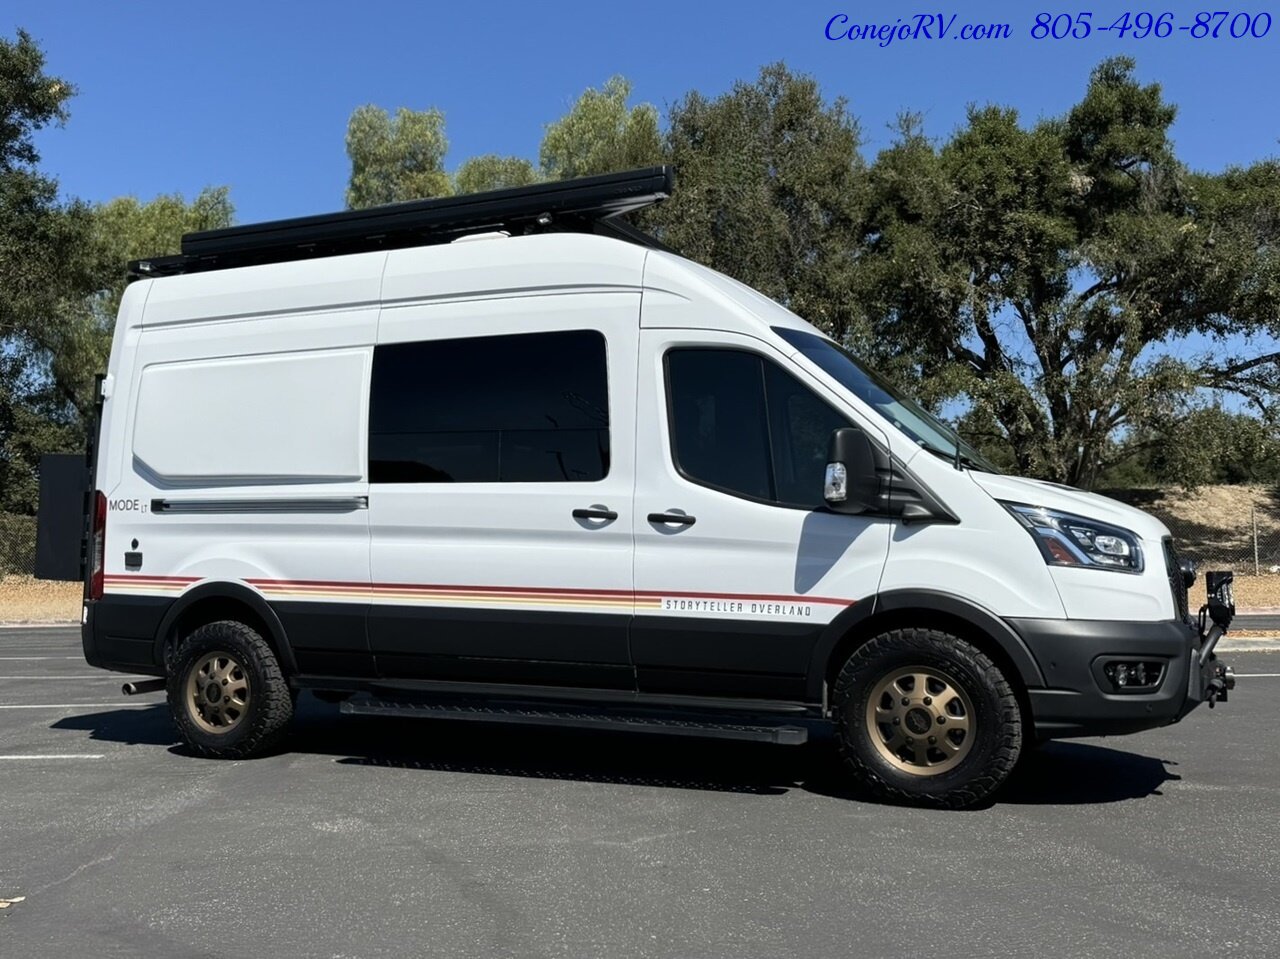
[(1266, 644)]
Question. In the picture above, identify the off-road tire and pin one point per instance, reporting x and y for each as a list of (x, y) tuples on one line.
[(270, 705), (997, 719)]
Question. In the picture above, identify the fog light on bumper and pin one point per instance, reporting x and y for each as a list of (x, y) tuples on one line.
[(1134, 675)]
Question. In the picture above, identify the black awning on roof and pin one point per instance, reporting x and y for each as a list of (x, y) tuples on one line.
[(581, 205)]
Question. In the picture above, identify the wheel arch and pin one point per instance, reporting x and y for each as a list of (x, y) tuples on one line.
[(923, 608), (210, 602)]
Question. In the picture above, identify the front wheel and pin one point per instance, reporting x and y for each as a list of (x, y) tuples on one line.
[(227, 693), (925, 717)]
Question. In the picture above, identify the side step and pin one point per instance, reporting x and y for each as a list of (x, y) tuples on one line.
[(578, 718)]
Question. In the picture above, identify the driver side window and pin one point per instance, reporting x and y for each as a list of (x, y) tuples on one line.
[(743, 425)]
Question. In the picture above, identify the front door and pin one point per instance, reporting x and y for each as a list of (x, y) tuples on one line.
[(738, 569), (501, 461)]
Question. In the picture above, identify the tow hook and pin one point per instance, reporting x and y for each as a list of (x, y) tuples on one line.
[(1223, 681)]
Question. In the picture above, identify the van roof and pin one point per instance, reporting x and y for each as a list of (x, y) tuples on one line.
[(543, 263)]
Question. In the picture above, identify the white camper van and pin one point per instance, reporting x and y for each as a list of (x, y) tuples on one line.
[(505, 457)]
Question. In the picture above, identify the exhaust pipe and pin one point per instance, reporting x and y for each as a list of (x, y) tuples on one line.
[(145, 686)]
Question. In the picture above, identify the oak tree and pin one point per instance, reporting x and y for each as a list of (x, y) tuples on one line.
[(1072, 280)]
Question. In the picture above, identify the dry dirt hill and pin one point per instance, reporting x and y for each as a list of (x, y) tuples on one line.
[(1215, 525)]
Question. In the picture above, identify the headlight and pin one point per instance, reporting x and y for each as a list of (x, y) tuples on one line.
[(1068, 540)]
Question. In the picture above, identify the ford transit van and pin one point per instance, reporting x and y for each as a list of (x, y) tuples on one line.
[(504, 457)]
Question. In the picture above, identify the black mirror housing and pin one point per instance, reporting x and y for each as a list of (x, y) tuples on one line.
[(852, 482)]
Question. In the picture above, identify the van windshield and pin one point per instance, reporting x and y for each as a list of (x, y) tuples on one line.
[(900, 410)]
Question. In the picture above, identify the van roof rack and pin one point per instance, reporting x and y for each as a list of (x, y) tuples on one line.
[(591, 204)]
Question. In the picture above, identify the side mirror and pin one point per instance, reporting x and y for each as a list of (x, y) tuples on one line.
[(852, 484)]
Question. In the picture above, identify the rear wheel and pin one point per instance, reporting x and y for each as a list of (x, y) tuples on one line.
[(227, 693), (925, 717)]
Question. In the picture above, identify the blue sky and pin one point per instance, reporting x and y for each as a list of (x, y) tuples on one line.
[(256, 95)]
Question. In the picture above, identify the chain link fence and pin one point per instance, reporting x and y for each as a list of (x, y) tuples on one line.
[(1248, 543), (17, 545)]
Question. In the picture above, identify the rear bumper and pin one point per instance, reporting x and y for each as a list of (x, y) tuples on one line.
[(119, 634), (1078, 701)]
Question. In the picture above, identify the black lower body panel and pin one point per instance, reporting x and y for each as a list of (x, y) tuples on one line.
[(119, 633), (327, 638), (498, 645), (1080, 701), (723, 657)]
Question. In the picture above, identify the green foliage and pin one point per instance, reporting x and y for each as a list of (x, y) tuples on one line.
[(396, 158), (1207, 445), (770, 189), (1035, 271), (600, 134), (402, 157), (492, 172), (29, 100), (42, 241), (46, 266), (33, 421)]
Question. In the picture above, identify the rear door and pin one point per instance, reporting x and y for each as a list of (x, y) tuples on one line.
[(738, 567), (501, 445)]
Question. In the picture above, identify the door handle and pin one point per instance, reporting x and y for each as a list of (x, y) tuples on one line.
[(677, 518), (594, 513)]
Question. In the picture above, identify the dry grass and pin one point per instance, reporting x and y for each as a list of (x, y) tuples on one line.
[(1214, 524), (1214, 504), (24, 599)]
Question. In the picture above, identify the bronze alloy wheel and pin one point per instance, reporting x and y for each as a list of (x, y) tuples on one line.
[(920, 720), (218, 692)]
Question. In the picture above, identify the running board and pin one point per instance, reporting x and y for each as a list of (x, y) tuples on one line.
[(615, 721)]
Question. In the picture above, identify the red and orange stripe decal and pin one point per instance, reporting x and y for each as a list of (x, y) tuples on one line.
[(452, 594)]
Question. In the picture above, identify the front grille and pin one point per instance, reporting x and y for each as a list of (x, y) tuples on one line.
[(1176, 584)]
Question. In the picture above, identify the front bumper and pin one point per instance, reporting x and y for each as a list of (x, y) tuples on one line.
[(1078, 701)]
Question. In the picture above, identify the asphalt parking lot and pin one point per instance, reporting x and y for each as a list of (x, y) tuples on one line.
[(376, 837)]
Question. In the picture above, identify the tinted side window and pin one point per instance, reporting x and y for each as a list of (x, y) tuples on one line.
[(800, 426), (526, 408), (743, 425), (718, 419)]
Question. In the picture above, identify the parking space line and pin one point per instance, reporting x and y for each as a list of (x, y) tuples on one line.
[(1257, 675), (87, 676), (24, 659), (58, 756), (115, 703)]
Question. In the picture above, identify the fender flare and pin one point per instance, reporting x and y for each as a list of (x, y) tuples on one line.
[(241, 594), (991, 625)]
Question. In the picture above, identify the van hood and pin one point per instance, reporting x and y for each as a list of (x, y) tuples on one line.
[(1016, 489)]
